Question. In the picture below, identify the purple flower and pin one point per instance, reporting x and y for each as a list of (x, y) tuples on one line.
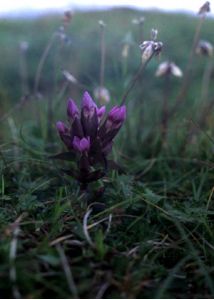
[(72, 110), (112, 125), (100, 112), (91, 137), (88, 106), (117, 114), (62, 128), (81, 145), (64, 133)]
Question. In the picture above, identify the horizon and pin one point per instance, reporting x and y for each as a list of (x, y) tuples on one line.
[(27, 8)]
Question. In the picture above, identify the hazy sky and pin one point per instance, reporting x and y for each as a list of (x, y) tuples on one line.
[(14, 5)]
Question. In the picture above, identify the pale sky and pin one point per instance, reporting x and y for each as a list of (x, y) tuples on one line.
[(7, 6)]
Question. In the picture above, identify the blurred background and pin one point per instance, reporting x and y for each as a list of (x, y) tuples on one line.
[(48, 55)]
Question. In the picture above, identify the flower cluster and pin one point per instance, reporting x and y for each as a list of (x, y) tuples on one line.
[(90, 136)]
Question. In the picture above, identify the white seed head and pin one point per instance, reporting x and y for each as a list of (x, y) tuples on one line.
[(150, 48), (139, 21), (102, 94), (175, 70), (204, 48), (147, 50), (101, 23), (24, 45), (168, 68), (69, 77), (125, 50), (154, 34)]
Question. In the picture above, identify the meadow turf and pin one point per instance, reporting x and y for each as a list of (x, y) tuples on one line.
[(150, 234)]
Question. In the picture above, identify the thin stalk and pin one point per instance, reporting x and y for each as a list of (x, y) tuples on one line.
[(141, 31), (135, 79), (102, 58), (187, 75), (206, 80), (207, 108), (67, 272), (24, 73), (50, 119), (38, 75), (165, 110), (41, 63)]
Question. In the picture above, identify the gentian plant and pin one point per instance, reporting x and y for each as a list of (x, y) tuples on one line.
[(89, 138)]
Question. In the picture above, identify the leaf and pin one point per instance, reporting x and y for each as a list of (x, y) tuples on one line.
[(151, 196), (50, 259)]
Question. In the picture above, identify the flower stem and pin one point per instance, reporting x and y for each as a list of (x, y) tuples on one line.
[(135, 79), (187, 76), (102, 58)]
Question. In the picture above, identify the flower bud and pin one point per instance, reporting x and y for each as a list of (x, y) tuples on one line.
[(117, 114), (81, 145), (72, 110), (64, 133), (100, 112), (61, 127), (88, 105)]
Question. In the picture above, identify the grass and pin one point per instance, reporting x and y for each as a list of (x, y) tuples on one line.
[(151, 233)]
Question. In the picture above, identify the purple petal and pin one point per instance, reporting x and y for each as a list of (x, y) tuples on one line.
[(76, 143), (87, 102), (85, 144), (117, 114), (61, 127), (101, 111), (72, 109), (81, 144)]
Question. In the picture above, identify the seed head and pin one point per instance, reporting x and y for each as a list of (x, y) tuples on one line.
[(205, 8), (67, 17), (168, 68), (24, 45), (69, 77), (102, 94), (154, 34), (138, 21), (101, 23), (204, 48), (150, 48)]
